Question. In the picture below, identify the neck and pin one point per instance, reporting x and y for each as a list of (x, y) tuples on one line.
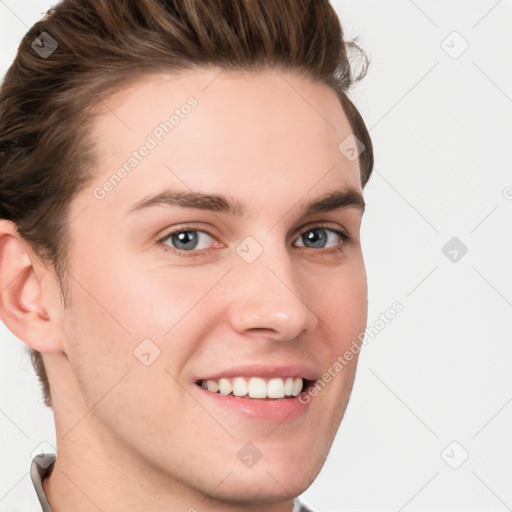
[(100, 476)]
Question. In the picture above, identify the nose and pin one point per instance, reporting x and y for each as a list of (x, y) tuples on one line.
[(268, 298)]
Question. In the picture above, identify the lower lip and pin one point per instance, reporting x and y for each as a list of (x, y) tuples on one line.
[(274, 410)]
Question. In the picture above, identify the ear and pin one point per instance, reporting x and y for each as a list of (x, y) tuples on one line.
[(21, 307)]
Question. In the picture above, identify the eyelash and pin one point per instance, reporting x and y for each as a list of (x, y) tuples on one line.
[(346, 239)]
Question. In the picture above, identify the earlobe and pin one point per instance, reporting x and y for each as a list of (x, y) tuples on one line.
[(20, 293)]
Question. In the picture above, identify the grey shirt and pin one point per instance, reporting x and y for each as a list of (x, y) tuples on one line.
[(42, 465)]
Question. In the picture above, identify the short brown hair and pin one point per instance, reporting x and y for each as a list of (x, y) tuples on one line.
[(95, 47)]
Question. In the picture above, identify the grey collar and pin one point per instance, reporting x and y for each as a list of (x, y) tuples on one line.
[(41, 467)]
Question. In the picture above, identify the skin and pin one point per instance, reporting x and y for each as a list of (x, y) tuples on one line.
[(136, 437)]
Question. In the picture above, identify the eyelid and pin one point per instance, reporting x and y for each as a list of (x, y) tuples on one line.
[(179, 228), (319, 224)]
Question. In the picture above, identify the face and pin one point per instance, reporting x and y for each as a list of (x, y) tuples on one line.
[(169, 291)]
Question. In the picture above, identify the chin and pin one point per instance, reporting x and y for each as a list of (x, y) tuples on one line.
[(270, 481), (262, 488)]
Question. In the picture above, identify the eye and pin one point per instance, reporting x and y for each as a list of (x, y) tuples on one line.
[(187, 240), (190, 240), (319, 235)]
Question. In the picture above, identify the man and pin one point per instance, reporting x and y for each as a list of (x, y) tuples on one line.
[(181, 200)]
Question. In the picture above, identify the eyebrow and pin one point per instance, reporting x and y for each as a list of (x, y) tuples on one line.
[(335, 200)]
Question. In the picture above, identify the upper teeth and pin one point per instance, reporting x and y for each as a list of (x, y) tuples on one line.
[(256, 387)]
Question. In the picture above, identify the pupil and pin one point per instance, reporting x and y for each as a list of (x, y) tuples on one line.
[(181, 239), (310, 237)]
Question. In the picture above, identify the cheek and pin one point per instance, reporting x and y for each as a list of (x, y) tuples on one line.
[(344, 305), (115, 308), (131, 297)]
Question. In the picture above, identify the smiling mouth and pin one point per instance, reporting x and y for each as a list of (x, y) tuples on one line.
[(277, 388)]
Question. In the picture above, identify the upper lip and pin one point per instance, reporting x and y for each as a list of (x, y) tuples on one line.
[(264, 370)]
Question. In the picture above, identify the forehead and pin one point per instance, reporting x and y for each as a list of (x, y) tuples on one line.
[(211, 130)]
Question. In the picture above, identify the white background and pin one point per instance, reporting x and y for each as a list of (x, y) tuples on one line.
[(440, 372)]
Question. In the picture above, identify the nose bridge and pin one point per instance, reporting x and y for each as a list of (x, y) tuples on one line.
[(266, 293)]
